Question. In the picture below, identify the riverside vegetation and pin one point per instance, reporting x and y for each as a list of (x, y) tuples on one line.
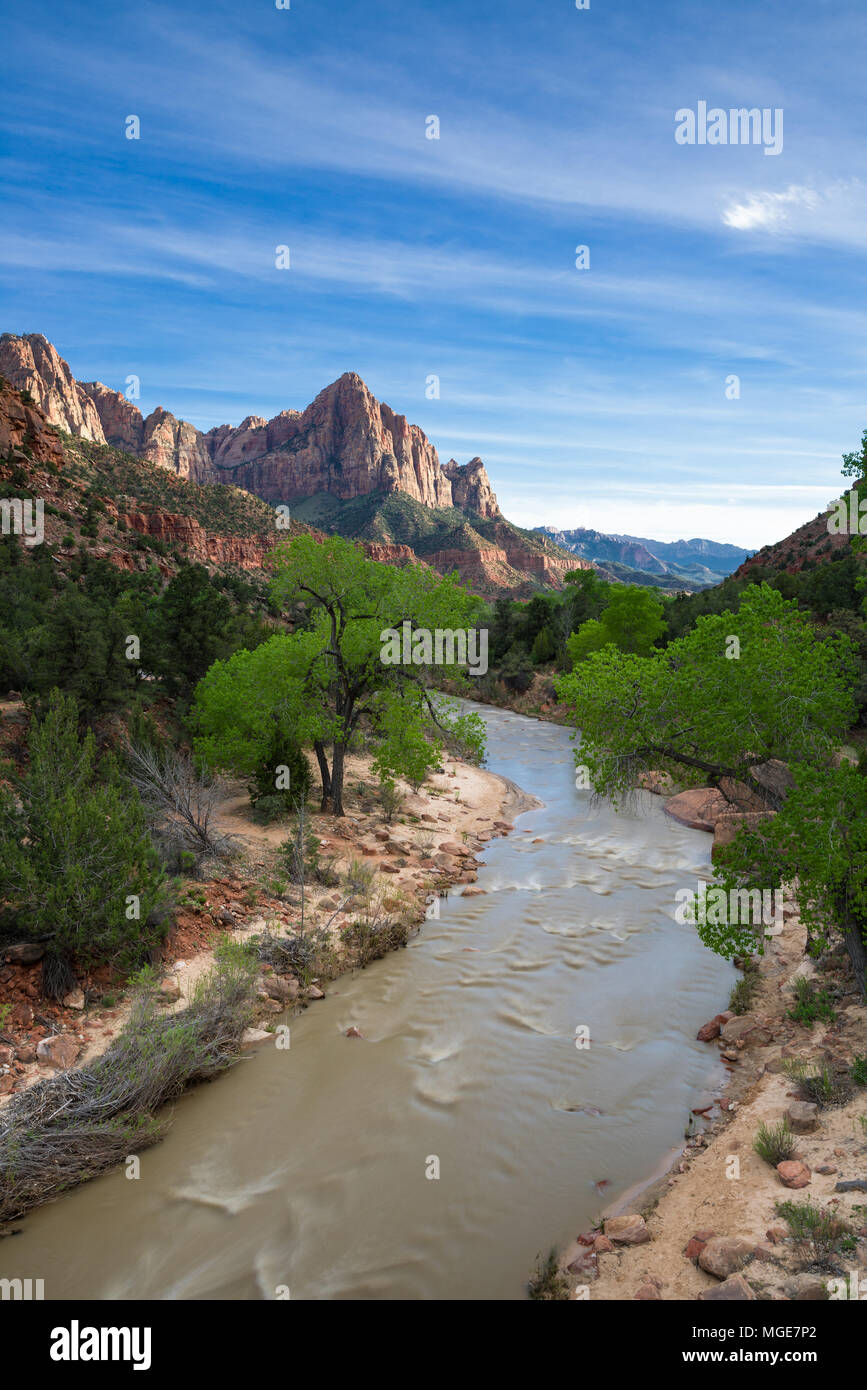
[(103, 832)]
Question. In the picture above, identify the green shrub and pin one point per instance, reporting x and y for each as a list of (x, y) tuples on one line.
[(775, 1143), (744, 991), (811, 1004), (818, 1233), (858, 1071), (821, 1085), (79, 869)]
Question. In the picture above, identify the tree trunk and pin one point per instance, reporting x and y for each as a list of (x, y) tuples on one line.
[(853, 936), (325, 775), (337, 779)]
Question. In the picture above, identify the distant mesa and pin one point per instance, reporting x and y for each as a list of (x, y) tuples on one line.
[(696, 563)]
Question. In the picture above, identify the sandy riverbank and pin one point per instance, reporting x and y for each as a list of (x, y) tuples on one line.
[(429, 847), (718, 1186)]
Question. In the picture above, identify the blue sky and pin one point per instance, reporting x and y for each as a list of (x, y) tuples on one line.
[(596, 397)]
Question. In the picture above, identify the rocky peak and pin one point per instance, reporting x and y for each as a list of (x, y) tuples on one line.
[(471, 487), (345, 443), (33, 364)]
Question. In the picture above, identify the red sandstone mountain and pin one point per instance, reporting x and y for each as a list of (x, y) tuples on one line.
[(812, 542), (346, 443), (345, 446)]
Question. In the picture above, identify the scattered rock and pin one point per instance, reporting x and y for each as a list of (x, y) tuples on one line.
[(170, 990), (696, 1244), (24, 953), (803, 1117), (708, 1031), (795, 1174), (629, 1229), (854, 1185), (281, 988), (805, 1288), (251, 1037), (740, 1027), (58, 1051), (699, 808), (826, 1169), (584, 1265), (602, 1245), (725, 1255), (733, 1289), (354, 1033), (74, 999), (647, 1292), (314, 992)]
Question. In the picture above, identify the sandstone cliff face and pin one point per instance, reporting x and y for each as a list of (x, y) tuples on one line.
[(32, 364), (23, 434), (471, 487), (246, 552), (346, 443)]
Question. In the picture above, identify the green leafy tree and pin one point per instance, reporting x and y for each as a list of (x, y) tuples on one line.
[(855, 463), (738, 690), (818, 843), (705, 716), (78, 867), (632, 620), (324, 679)]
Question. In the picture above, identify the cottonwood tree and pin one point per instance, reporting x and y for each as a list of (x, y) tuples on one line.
[(632, 620), (708, 711), (818, 843), (328, 678)]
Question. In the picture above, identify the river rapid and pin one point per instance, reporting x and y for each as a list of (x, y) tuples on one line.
[(312, 1171)]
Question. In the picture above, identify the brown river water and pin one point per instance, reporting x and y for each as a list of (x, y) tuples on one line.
[(307, 1169)]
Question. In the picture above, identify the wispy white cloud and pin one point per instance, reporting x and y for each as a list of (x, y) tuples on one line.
[(770, 211)]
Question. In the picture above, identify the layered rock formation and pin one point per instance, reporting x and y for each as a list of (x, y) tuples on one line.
[(24, 436), (346, 443)]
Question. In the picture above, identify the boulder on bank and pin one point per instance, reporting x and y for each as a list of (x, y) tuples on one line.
[(805, 1288), (708, 1031), (59, 1051), (725, 1255), (802, 1117), (733, 1289), (24, 953), (629, 1229), (731, 822), (745, 1028), (793, 1173), (700, 808)]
